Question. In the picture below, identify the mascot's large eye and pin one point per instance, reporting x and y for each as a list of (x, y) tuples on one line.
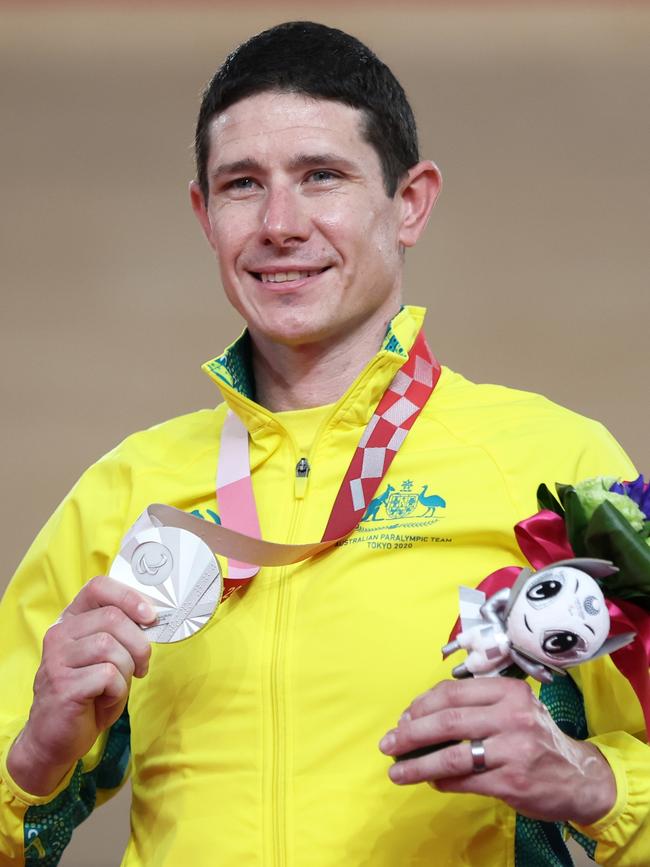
[(543, 591), (562, 641)]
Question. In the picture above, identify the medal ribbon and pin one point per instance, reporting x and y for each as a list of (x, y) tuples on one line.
[(239, 537)]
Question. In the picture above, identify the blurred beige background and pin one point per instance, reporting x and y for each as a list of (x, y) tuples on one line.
[(535, 266)]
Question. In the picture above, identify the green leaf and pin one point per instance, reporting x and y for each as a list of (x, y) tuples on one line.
[(610, 537), (546, 500), (563, 490), (575, 520)]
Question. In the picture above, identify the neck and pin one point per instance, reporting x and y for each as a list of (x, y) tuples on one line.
[(313, 374)]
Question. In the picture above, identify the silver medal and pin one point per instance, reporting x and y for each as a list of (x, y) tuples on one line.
[(178, 573)]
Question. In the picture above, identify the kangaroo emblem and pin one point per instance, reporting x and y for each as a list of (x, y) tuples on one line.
[(430, 503), (376, 504)]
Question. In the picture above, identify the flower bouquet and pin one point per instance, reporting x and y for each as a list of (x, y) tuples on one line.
[(610, 520)]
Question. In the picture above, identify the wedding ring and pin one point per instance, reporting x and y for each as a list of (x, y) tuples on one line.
[(478, 756)]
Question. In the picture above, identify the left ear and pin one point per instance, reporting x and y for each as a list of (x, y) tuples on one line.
[(418, 192), (200, 208)]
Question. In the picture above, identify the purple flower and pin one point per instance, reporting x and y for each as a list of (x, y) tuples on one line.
[(638, 491)]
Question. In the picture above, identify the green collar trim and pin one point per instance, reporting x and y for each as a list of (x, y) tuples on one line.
[(234, 368)]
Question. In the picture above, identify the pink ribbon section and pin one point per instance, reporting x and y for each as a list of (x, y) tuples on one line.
[(236, 498)]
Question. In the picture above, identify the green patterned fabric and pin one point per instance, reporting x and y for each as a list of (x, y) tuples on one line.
[(48, 827), (587, 843), (234, 368), (541, 844), (392, 344)]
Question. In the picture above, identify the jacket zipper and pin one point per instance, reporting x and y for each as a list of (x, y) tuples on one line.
[(302, 475), (278, 664), (278, 682)]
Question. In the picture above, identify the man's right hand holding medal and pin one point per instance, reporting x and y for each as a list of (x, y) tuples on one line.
[(81, 687)]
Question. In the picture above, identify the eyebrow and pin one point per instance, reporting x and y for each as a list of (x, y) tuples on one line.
[(237, 167), (300, 161), (305, 160)]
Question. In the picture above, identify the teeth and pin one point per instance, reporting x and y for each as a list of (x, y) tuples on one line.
[(286, 276)]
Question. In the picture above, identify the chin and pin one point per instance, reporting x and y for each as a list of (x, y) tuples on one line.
[(292, 327), (293, 336)]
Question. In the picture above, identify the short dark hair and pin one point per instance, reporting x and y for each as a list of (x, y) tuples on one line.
[(325, 63)]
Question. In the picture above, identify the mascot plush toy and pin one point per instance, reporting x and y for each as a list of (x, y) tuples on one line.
[(547, 621), (586, 595)]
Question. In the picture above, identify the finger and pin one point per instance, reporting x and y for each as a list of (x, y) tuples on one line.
[(103, 679), (114, 622), (448, 724), (103, 591), (493, 784), (480, 692), (454, 769), (502, 778), (98, 648), (452, 762)]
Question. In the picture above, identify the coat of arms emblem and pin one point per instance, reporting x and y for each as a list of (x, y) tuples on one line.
[(407, 502)]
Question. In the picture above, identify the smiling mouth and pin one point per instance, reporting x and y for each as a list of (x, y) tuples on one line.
[(285, 276)]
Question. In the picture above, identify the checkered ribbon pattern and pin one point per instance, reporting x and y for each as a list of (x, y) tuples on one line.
[(394, 416), (391, 421)]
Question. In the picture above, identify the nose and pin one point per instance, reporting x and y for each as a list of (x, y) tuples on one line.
[(576, 609), (285, 221)]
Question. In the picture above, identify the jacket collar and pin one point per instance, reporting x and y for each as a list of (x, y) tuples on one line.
[(232, 373)]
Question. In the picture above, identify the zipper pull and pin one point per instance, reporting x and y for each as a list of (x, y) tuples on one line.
[(302, 473)]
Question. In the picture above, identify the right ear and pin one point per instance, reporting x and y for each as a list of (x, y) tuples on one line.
[(199, 206)]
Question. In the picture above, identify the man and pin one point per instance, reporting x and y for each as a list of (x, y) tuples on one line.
[(255, 741)]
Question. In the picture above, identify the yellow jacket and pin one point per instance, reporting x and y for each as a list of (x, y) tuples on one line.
[(254, 743)]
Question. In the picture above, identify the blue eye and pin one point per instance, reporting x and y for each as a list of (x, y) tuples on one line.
[(322, 175)]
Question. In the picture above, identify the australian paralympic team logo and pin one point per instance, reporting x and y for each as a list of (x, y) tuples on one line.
[(409, 503), (398, 517)]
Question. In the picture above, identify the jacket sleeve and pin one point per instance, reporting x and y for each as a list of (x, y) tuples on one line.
[(616, 726), (78, 542), (614, 716)]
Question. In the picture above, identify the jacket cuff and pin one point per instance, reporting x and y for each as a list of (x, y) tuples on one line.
[(20, 794), (626, 822)]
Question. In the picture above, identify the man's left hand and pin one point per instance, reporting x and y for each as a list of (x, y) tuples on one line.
[(529, 763)]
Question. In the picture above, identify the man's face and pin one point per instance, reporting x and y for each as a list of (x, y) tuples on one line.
[(308, 242)]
